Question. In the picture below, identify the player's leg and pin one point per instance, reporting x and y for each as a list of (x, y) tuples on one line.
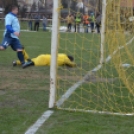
[(26, 57), (28, 64), (16, 46), (5, 43), (2, 48)]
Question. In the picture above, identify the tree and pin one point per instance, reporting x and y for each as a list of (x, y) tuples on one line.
[(73, 5), (22, 11), (64, 3), (33, 8), (7, 4)]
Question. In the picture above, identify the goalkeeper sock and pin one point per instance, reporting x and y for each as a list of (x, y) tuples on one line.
[(25, 54), (21, 57)]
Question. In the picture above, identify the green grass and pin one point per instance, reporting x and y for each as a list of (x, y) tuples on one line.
[(85, 123), (24, 93)]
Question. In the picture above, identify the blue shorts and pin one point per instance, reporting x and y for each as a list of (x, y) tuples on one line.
[(13, 42)]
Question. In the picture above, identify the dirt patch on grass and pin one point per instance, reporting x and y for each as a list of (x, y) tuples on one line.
[(2, 92), (13, 102), (40, 79), (23, 74), (13, 85), (27, 79), (28, 86)]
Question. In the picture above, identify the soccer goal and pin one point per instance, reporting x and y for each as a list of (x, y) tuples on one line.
[(102, 81)]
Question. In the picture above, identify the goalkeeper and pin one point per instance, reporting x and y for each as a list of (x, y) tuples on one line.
[(45, 60)]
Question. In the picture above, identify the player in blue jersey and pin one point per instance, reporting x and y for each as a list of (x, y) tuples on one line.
[(11, 34)]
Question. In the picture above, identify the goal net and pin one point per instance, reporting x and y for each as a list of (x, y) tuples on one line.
[(102, 80)]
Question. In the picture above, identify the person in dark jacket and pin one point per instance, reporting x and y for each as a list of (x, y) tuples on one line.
[(98, 22), (37, 23)]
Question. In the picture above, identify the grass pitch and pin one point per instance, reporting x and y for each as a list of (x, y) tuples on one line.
[(24, 93)]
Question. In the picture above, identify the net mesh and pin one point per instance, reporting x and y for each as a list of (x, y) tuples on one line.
[(91, 86)]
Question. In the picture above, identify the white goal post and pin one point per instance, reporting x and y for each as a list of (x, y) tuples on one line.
[(103, 21), (54, 47)]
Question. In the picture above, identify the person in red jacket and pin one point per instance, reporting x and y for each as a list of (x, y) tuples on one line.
[(86, 22)]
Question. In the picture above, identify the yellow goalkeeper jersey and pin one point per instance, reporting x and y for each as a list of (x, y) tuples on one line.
[(42, 60), (64, 60), (45, 60)]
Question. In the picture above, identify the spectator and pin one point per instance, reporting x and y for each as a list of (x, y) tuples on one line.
[(44, 23), (30, 24), (92, 21), (77, 22), (98, 22), (86, 22), (37, 23), (69, 20), (74, 23)]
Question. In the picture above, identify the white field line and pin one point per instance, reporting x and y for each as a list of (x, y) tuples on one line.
[(33, 129), (23, 30), (97, 112)]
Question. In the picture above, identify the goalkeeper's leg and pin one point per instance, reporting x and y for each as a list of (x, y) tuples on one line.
[(25, 54)]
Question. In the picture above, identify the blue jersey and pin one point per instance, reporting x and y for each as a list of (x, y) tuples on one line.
[(12, 21)]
